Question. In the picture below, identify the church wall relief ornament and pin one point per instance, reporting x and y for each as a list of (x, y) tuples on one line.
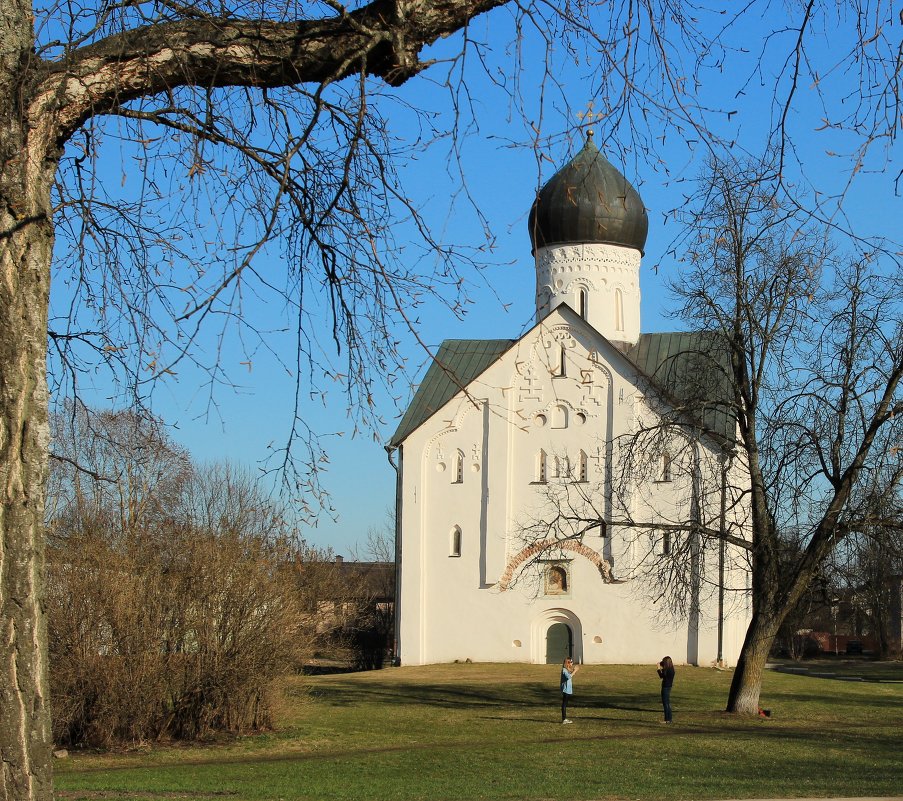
[(434, 448), (595, 381), (602, 259), (529, 384), (544, 414), (557, 341)]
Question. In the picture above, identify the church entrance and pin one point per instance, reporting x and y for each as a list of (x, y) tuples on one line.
[(559, 643)]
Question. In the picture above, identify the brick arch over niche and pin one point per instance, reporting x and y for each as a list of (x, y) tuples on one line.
[(537, 548)]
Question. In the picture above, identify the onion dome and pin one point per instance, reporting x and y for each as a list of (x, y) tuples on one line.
[(588, 202)]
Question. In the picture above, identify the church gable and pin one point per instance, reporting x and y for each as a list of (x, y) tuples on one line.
[(560, 371), (561, 374), (560, 401)]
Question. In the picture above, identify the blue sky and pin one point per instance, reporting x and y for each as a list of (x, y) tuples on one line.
[(500, 151)]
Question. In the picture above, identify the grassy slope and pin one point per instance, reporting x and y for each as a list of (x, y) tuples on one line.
[(492, 731)]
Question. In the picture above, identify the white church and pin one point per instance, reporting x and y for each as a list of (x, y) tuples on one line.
[(565, 492)]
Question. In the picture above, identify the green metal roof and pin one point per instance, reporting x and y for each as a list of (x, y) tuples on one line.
[(458, 362), (693, 370), (687, 367)]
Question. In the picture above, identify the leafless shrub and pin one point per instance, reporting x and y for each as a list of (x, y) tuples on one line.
[(171, 622)]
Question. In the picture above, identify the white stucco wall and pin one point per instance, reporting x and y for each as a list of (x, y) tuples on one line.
[(474, 605)]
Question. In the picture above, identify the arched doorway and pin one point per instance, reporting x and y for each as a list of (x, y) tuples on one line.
[(555, 634), (559, 643)]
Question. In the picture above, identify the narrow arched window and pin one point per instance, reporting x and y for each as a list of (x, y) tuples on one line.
[(459, 468), (541, 475), (562, 363), (619, 310), (582, 302), (666, 466), (454, 542), (583, 468)]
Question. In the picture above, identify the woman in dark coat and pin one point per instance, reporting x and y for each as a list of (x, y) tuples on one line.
[(666, 672)]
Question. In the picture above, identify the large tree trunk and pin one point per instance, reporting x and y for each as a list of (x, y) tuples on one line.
[(26, 245), (767, 612), (746, 685)]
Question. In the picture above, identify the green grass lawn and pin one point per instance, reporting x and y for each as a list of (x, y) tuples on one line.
[(492, 732)]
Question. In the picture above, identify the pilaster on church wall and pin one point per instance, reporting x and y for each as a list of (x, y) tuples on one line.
[(414, 571), (476, 426)]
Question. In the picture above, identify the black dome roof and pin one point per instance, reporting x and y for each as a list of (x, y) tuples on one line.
[(588, 201)]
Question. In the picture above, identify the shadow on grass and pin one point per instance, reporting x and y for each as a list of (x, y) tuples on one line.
[(477, 697), (850, 702), (438, 695), (791, 702), (843, 669)]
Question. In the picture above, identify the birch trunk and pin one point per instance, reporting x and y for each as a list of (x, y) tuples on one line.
[(26, 246)]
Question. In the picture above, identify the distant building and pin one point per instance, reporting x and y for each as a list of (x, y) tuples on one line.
[(352, 607), (845, 621), (501, 429)]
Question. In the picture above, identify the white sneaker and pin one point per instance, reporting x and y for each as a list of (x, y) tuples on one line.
[(567, 721)]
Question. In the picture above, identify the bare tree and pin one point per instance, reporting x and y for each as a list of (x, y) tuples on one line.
[(379, 545), (816, 362), (677, 549), (807, 348), (868, 564), (264, 122)]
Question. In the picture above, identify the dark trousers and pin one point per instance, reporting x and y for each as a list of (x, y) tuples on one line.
[(666, 702), (565, 697)]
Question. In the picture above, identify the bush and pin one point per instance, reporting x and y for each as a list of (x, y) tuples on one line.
[(172, 626)]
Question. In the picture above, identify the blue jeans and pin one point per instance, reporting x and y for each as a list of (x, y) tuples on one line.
[(666, 703)]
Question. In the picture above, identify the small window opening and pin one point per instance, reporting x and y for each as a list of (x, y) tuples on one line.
[(459, 469), (541, 476), (619, 310), (583, 468), (582, 303), (455, 542), (666, 466)]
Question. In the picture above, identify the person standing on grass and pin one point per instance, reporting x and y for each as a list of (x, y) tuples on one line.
[(666, 673), (568, 669)]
